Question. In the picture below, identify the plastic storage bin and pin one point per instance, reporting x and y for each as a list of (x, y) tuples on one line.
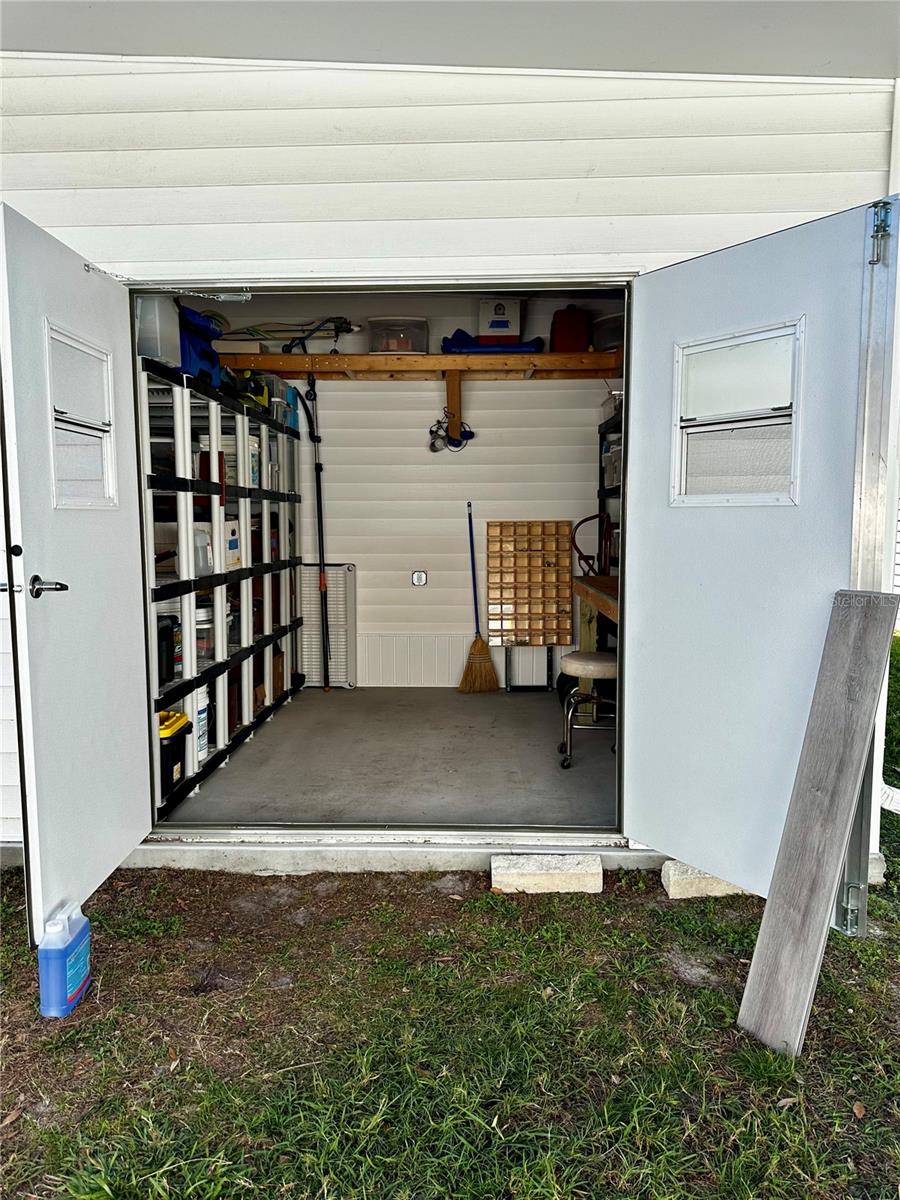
[(158, 334), (64, 962), (398, 335), (173, 730), (197, 355)]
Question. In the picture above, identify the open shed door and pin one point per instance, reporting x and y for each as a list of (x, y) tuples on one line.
[(73, 566), (756, 474)]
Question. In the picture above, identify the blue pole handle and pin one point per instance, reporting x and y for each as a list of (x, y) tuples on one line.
[(474, 572)]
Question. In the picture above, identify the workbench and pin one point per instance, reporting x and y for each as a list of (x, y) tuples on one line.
[(601, 592)]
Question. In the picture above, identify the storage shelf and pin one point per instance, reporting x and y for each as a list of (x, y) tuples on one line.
[(218, 757), (170, 375), (612, 424), (200, 583), (603, 364), (183, 687), (227, 491)]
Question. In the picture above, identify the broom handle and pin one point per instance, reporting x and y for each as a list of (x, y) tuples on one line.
[(474, 574)]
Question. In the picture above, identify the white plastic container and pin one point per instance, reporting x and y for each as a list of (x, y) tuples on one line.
[(398, 335), (205, 625), (165, 535), (158, 333), (229, 450), (499, 319), (202, 725)]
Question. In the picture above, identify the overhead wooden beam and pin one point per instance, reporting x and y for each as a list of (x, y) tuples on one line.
[(591, 365)]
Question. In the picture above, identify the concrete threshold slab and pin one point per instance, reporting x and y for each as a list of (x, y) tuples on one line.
[(547, 872), (268, 851)]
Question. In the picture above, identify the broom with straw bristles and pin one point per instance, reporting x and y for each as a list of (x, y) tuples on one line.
[(479, 675)]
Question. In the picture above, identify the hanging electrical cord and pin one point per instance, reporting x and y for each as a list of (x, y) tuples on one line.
[(309, 403), (277, 331), (337, 325)]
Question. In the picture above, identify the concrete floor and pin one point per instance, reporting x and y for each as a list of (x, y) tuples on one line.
[(411, 756)]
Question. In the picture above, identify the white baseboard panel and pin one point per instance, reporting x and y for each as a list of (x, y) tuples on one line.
[(436, 660)]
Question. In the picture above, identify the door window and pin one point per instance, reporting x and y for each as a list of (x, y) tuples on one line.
[(80, 382), (735, 430)]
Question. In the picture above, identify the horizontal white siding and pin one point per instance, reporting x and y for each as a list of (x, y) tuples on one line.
[(201, 171), (392, 508), (10, 795)]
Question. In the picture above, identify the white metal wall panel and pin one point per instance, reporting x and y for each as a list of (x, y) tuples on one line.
[(10, 791), (10, 795), (392, 508), (202, 171)]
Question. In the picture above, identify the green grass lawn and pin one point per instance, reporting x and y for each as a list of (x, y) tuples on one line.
[(892, 729), (421, 1037)]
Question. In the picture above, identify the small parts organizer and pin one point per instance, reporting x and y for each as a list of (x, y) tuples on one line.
[(529, 586)]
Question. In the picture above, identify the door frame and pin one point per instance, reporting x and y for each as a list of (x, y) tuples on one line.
[(877, 439), (576, 282)]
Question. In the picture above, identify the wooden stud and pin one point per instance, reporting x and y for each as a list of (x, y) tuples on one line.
[(454, 405), (787, 959)]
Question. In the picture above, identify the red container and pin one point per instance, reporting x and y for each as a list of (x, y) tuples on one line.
[(571, 330)]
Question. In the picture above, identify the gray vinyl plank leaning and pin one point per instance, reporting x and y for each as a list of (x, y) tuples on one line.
[(788, 956)]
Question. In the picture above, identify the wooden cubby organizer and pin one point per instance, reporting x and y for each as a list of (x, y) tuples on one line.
[(263, 657)]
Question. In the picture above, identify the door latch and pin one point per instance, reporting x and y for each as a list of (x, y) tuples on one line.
[(4, 587), (37, 586), (881, 230), (850, 909)]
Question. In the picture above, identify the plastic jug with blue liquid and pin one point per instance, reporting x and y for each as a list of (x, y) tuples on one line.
[(64, 962)]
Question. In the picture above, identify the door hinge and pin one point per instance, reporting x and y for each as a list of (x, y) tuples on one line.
[(881, 229), (850, 909)]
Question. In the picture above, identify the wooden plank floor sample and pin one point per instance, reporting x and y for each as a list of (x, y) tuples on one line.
[(788, 956)]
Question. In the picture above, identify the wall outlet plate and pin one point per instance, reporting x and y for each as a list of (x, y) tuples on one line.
[(419, 578)]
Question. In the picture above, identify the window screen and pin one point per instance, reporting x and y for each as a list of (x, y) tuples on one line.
[(80, 466), (80, 385), (747, 460), (736, 400)]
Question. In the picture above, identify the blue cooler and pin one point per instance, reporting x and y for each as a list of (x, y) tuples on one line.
[(198, 358)]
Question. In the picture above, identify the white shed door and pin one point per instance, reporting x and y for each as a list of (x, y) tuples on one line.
[(71, 492), (742, 435)]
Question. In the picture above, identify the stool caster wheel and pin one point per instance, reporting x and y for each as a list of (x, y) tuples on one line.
[(561, 748), (565, 762)]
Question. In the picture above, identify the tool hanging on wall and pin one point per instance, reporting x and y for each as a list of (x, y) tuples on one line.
[(308, 402), (440, 438)]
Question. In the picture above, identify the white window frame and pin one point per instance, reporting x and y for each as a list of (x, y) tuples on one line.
[(103, 431), (682, 427)]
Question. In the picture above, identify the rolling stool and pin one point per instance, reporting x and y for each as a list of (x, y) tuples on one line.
[(583, 665)]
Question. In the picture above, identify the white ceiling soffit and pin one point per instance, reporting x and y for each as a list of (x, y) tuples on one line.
[(726, 37)]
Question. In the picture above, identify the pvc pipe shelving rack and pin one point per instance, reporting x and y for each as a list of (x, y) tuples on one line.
[(177, 409)]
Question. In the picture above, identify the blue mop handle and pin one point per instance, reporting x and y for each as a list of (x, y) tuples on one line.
[(474, 572)]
